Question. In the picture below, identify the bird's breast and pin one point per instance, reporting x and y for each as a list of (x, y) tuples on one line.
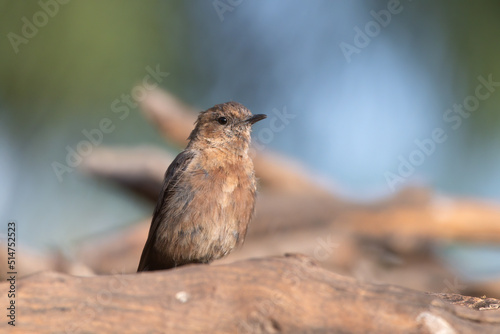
[(216, 217), (229, 189)]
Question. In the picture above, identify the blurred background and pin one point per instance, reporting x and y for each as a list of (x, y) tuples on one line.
[(361, 82)]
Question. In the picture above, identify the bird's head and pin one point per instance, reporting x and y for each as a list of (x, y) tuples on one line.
[(227, 125)]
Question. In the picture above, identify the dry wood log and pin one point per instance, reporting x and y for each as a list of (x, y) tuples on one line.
[(388, 241), (140, 169), (120, 250), (368, 260), (288, 294), (412, 216), (174, 119), (437, 218), (444, 219), (404, 217)]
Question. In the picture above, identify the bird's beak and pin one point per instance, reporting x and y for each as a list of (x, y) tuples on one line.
[(255, 118)]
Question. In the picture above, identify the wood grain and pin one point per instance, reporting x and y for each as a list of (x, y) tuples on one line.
[(290, 294)]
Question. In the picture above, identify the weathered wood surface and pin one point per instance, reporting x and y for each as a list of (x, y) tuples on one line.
[(291, 196), (289, 294), (391, 241), (411, 214), (140, 169)]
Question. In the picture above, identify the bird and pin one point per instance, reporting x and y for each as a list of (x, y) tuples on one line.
[(208, 195)]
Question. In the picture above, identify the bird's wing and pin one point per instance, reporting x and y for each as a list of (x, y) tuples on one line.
[(172, 175)]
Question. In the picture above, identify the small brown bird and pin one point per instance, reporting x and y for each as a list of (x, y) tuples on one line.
[(208, 194)]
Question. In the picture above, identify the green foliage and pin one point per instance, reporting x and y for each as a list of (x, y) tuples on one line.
[(85, 55)]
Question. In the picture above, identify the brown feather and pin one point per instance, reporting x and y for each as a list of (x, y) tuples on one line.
[(208, 195)]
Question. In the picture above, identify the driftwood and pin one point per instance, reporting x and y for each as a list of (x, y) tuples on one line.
[(367, 259), (439, 219), (390, 241), (411, 215), (140, 169), (291, 198), (288, 294)]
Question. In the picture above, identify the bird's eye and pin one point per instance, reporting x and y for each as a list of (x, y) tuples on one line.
[(222, 120)]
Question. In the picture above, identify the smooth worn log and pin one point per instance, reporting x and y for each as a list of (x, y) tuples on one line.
[(412, 215), (140, 169), (444, 219), (120, 249), (289, 294), (373, 260), (392, 241)]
